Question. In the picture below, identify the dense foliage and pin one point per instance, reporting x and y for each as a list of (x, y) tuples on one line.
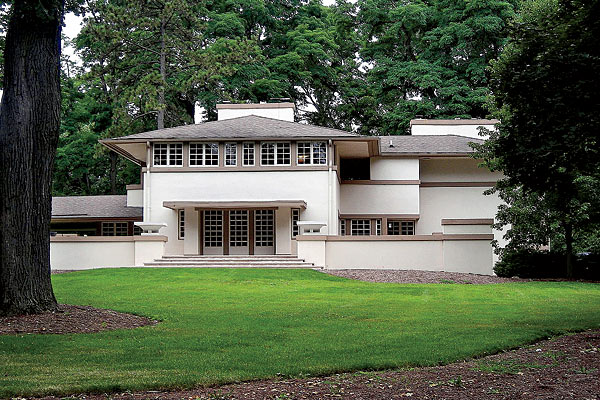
[(526, 263), (545, 87)]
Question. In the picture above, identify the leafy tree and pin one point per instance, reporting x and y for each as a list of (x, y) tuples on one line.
[(29, 128), (546, 89), (429, 58)]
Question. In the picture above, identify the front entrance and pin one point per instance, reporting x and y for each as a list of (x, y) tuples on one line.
[(237, 232)]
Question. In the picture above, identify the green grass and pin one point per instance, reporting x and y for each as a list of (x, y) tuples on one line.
[(225, 325)]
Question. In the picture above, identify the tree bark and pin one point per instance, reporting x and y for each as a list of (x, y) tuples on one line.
[(163, 75), (113, 172), (29, 124), (569, 244)]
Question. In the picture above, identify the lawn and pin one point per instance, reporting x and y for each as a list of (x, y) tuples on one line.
[(225, 325)]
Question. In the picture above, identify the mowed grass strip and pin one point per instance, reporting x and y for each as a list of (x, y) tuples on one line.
[(226, 325)]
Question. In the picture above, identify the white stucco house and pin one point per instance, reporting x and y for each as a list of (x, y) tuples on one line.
[(256, 186)]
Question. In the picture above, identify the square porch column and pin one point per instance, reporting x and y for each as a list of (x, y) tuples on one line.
[(192, 232)]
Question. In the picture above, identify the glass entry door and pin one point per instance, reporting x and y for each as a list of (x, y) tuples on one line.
[(213, 232), (238, 232), (264, 232)]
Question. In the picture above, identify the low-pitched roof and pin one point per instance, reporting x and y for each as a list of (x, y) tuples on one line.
[(247, 127), (111, 206), (426, 144)]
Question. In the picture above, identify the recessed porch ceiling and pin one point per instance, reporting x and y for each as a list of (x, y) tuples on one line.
[(235, 204)]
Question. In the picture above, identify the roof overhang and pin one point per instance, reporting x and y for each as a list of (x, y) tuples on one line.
[(233, 204)]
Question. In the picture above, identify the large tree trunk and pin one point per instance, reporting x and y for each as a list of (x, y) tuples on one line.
[(29, 123), (163, 75), (113, 172), (569, 244)]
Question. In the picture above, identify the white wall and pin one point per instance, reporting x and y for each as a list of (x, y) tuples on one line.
[(394, 168), (461, 130), (309, 186), (379, 199), (135, 198), (285, 114), (86, 252), (455, 170), (466, 253)]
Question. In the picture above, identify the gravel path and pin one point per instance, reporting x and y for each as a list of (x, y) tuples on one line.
[(414, 276)]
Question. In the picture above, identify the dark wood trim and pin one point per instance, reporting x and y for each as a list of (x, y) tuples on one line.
[(466, 221), (222, 155), (225, 232), (377, 216), (58, 220), (255, 168), (433, 237), (381, 182), (186, 155), (458, 184), (251, 232)]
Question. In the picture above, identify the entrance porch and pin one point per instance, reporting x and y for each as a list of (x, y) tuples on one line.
[(238, 228)]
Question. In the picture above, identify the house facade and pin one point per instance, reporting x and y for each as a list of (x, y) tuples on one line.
[(256, 183)]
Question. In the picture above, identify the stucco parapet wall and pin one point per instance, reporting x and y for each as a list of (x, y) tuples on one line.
[(454, 121), (257, 168), (381, 182), (458, 184), (475, 221), (147, 238), (254, 106), (395, 238)]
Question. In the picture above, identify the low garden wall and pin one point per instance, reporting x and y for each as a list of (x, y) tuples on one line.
[(86, 252), (438, 252)]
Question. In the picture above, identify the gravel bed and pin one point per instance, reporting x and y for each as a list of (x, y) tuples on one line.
[(414, 276)]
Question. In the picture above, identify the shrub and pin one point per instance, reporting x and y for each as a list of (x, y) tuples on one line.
[(544, 264)]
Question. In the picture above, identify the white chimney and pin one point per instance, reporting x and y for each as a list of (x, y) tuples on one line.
[(282, 111)]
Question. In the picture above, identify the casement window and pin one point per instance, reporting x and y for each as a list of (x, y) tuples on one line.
[(181, 224), (295, 219), (360, 227), (401, 227), (206, 154), (114, 229), (230, 154), (248, 154), (137, 231), (378, 227), (312, 153), (343, 227), (275, 153), (168, 154)]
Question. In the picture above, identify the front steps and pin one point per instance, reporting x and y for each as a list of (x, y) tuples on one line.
[(232, 261)]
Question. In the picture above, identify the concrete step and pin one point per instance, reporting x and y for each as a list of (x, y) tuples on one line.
[(233, 257), (181, 265), (231, 261), (228, 261)]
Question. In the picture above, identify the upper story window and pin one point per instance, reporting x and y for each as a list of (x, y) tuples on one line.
[(312, 153), (248, 156), (275, 153), (230, 154), (168, 154), (204, 154)]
